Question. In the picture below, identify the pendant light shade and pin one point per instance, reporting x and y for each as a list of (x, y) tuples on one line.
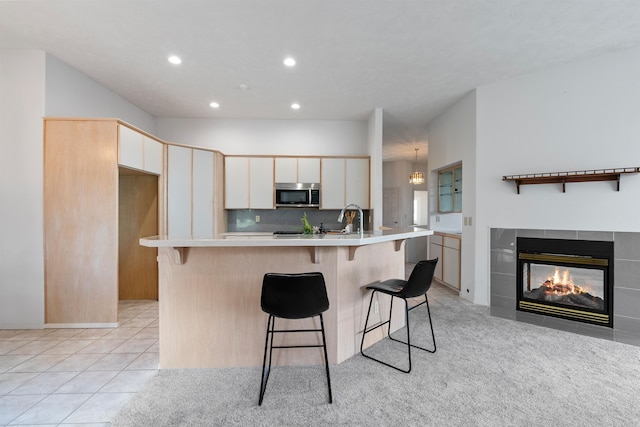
[(416, 177)]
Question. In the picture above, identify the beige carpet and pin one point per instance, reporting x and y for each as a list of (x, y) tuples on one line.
[(487, 371)]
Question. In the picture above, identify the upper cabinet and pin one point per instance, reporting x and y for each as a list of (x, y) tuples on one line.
[(248, 182), (138, 151), (194, 187), (357, 182), (236, 182), (308, 169), (344, 181), (152, 157), (203, 193), (261, 183), (179, 191), (450, 189), (130, 149), (332, 188), (293, 169)]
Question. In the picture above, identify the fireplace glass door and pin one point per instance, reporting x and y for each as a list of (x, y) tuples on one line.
[(568, 279), (569, 286)]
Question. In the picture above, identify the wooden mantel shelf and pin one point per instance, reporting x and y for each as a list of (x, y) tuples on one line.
[(572, 176)]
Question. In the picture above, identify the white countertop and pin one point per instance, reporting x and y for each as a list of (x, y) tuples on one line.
[(451, 231), (257, 239)]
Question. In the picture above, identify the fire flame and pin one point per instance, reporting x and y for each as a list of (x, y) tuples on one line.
[(562, 285)]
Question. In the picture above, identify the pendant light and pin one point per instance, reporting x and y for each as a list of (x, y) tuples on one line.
[(416, 177)]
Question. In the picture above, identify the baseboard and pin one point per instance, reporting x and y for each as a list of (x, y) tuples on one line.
[(21, 326), (80, 325)]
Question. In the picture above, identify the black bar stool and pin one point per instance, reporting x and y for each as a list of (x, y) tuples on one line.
[(292, 296), (418, 284)]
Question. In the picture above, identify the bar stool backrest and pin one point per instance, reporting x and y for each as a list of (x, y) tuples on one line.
[(294, 296), (420, 279)]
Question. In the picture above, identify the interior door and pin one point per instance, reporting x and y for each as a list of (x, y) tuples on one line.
[(390, 207), (420, 207), (138, 217)]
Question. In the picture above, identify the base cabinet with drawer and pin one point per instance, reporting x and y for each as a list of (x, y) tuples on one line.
[(446, 247)]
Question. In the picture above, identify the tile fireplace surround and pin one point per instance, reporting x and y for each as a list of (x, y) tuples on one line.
[(626, 291)]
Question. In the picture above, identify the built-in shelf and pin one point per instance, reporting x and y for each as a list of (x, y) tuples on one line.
[(572, 176)]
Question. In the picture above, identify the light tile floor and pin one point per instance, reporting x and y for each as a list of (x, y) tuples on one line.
[(77, 376)]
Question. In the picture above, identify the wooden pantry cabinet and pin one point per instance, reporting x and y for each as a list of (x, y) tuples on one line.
[(102, 192)]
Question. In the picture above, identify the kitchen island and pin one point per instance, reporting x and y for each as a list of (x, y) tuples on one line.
[(209, 293)]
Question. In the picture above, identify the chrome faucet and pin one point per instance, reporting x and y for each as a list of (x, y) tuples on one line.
[(352, 205)]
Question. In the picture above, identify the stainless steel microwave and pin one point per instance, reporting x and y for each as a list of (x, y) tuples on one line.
[(297, 195)]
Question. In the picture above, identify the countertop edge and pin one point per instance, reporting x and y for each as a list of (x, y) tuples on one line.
[(265, 240)]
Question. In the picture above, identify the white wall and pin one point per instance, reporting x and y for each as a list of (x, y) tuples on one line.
[(69, 93), (584, 115), (22, 93), (452, 139), (374, 147), (396, 175), (269, 137), (33, 85)]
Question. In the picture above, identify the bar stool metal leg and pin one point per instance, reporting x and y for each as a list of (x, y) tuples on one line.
[(293, 296), (326, 359), (418, 284), (433, 337), (268, 348), (267, 345), (408, 341)]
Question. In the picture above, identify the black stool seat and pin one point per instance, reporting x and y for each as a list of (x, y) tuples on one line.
[(418, 284), (292, 296)]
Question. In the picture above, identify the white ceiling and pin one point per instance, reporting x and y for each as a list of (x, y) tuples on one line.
[(411, 58)]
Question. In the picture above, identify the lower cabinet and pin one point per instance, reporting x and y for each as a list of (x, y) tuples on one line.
[(436, 252), (446, 248)]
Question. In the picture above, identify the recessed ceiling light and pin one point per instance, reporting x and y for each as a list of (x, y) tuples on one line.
[(214, 105), (295, 106), (175, 60), (289, 61), (243, 86)]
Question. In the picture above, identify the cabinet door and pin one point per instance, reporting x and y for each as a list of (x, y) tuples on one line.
[(308, 169), (435, 251), (332, 186), (451, 266), (179, 191), (203, 194), (130, 148), (152, 156), (457, 189), (445, 191), (357, 182), (236, 182), (261, 183), (450, 190), (286, 169)]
